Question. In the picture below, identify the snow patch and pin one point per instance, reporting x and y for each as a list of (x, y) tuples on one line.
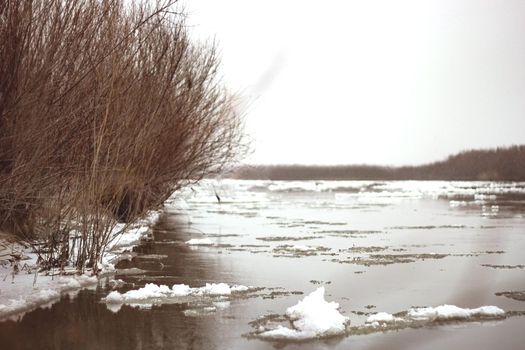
[(26, 293)]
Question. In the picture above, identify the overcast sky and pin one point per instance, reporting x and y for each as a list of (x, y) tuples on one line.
[(373, 81)]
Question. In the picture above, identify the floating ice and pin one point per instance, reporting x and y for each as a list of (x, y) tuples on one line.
[(214, 289), (152, 293), (180, 290), (312, 317), (239, 288), (299, 249), (447, 312), (382, 317), (302, 248), (200, 241)]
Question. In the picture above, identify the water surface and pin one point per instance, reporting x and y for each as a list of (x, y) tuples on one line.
[(379, 246)]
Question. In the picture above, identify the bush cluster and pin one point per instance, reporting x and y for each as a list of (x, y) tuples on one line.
[(106, 108)]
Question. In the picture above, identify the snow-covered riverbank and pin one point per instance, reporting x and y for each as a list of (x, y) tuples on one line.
[(23, 288)]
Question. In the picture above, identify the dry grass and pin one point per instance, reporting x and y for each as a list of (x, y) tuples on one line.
[(106, 108)]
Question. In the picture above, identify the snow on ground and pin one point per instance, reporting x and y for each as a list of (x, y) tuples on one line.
[(312, 317), (200, 241), (28, 289), (24, 292), (126, 238), (153, 294)]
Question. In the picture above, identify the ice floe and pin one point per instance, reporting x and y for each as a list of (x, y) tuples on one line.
[(448, 312), (382, 317), (312, 317), (426, 315), (200, 241), (302, 248), (155, 294)]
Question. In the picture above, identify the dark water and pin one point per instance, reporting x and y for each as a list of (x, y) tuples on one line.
[(416, 244)]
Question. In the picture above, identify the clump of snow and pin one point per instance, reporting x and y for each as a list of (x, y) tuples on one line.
[(200, 241), (312, 317), (153, 293), (447, 312), (382, 317)]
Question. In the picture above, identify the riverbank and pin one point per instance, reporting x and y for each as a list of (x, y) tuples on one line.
[(23, 288)]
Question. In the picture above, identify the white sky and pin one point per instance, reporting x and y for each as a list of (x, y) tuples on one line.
[(372, 81)]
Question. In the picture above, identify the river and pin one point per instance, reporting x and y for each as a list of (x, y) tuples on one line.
[(374, 246)]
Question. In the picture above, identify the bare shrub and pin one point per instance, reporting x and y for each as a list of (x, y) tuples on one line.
[(106, 109)]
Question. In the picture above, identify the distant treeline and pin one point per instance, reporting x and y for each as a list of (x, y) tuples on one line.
[(500, 164)]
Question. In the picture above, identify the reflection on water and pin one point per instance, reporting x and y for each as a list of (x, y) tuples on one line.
[(376, 246), (87, 324)]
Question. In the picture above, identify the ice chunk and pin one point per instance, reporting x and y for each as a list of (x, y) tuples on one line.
[(221, 305), (77, 282), (200, 241), (152, 293), (302, 248), (312, 317), (114, 298), (382, 317), (180, 290), (149, 291), (445, 312), (239, 288), (215, 289), (285, 333)]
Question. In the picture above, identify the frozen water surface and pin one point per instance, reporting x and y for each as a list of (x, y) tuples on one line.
[(399, 265)]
